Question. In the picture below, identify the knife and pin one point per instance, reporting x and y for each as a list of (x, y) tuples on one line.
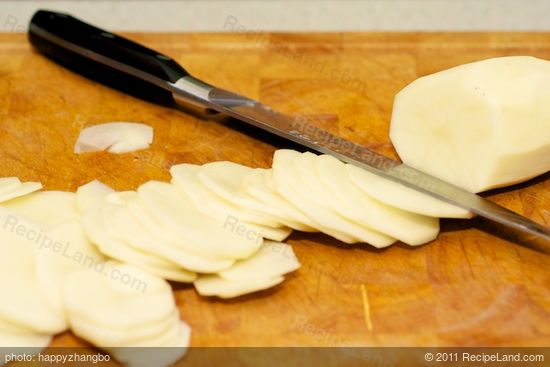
[(145, 73)]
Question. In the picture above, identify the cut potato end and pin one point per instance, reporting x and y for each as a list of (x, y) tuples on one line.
[(115, 137)]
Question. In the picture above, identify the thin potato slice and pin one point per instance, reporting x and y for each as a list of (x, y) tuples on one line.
[(49, 208), (70, 251), (24, 189), (121, 295), (185, 179), (27, 307), (298, 188), (402, 197), (225, 179), (354, 204), (257, 184), (272, 260), (92, 196), (208, 236), (214, 285), (132, 232), (115, 137)]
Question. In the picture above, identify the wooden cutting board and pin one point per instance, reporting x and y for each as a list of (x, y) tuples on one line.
[(472, 286)]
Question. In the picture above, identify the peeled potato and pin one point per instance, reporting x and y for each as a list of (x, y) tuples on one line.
[(480, 125)]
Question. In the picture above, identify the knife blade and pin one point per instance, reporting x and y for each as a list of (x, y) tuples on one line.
[(135, 69)]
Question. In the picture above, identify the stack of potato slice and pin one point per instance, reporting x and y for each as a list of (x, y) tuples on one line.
[(218, 226)]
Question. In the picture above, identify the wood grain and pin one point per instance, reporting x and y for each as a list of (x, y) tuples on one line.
[(472, 286)]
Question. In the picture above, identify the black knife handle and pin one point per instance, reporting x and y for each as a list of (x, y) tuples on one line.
[(104, 57)]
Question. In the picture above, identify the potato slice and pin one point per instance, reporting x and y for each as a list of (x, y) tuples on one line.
[(17, 344), (354, 204), (185, 179), (38, 207), (205, 235), (152, 355), (115, 137), (27, 307), (114, 336), (121, 197), (480, 125), (121, 295), (146, 317), (14, 336), (402, 197), (110, 245), (70, 251), (272, 260), (225, 179), (92, 196), (9, 184), (302, 188), (33, 343), (263, 270), (214, 285), (24, 189), (257, 184), (132, 232)]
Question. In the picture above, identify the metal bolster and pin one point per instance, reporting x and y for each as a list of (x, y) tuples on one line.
[(193, 94)]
